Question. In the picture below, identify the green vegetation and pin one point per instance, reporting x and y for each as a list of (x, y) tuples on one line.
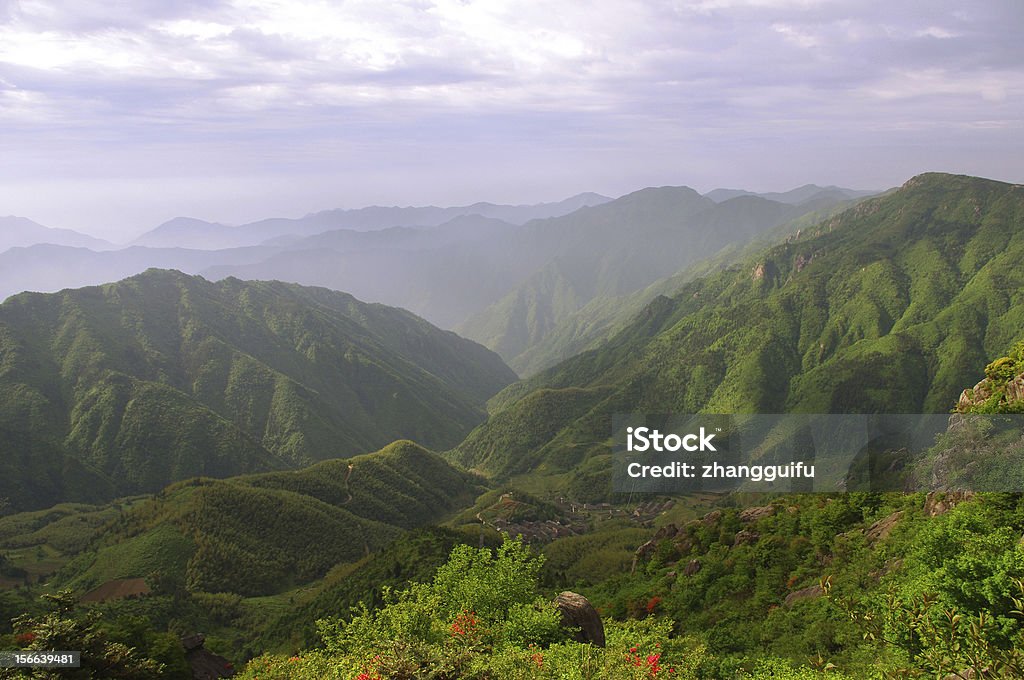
[(890, 306), (605, 315), (481, 616), (605, 264), (251, 560), (103, 655), (893, 306), (127, 387), (1002, 390), (414, 558), (264, 534)]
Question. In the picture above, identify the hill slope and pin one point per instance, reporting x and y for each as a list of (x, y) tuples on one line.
[(256, 535), (614, 250), (126, 387), (887, 307), (570, 332)]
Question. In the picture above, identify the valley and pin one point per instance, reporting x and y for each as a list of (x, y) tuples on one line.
[(249, 458)]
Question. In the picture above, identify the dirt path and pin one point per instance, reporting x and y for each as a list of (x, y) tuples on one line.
[(347, 490)]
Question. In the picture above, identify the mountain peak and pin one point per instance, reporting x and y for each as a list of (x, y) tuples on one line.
[(16, 231), (950, 180)]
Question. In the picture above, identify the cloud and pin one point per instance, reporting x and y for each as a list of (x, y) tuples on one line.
[(232, 84)]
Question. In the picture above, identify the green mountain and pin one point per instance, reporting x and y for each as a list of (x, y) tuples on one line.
[(604, 315), (261, 534), (127, 387), (887, 307), (617, 249)]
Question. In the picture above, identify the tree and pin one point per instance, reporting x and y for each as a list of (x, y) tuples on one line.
[(61, 629)]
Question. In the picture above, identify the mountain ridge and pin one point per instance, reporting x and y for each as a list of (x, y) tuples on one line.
[(195, 233), (881, 308), (21, 232), (220, 379), (664, 230)]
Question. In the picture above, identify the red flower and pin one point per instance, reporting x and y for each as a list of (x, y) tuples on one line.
[(464, 625), (24, 638)]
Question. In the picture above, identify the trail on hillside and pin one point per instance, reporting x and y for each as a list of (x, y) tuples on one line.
[(348, 474)]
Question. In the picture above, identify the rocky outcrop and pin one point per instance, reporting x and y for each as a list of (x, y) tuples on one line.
[(580, 616), (883, 527), (1008, 390), (809, 593), (745, 537), (757, 513), (939, 503), (205, 664)]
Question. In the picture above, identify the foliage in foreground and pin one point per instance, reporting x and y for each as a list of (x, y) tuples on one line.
[(102, 657), (483, 617)]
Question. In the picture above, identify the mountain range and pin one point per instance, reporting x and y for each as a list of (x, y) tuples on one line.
[(126, 387), (888, 307), (260, 534), (807, 192), (506, 276), (18, 232), (187, 232), (264, 417)]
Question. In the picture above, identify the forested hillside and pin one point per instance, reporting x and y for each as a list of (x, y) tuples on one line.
[(890, 306), (598, 254), (126, 387), (262, 534), (789, 587)]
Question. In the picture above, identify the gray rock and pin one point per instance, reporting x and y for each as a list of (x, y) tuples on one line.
[(578, 613)]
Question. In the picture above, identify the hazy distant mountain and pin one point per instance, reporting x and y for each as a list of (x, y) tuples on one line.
[(19, 231), (532, 276), (188, 232), (650, 237), (796, 196), (603, 316), (448, 281), (50, 268), (129, 386), (462, 229), (184, 232), (47, 269)]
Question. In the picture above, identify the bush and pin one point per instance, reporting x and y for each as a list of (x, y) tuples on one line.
[(481, 617)]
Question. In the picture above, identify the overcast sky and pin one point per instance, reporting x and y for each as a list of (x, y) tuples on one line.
[(117, 115)]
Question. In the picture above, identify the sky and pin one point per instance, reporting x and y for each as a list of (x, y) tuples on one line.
[(116, 115)]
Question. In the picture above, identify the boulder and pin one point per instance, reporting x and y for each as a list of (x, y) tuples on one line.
[(578, 613), (667, 531), (646, 550), (711, 518), (692, 567), (205, 664)]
